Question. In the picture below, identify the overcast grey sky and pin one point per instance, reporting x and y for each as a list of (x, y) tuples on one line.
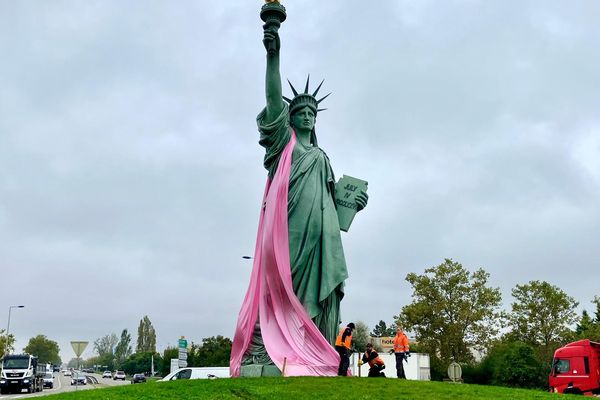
[(131, 177)]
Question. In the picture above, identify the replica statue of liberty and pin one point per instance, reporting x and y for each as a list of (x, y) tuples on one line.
[(291, 313)]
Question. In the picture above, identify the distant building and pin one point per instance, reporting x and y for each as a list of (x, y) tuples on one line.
[(386, 343)]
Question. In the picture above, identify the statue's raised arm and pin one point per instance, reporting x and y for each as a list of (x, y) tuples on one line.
[(290, 318), (273, 14)]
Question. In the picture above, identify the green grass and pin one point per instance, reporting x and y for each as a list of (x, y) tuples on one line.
[(304, 388)]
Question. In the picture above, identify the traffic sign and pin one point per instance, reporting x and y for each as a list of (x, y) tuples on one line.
[(454, 372), (79, 347)]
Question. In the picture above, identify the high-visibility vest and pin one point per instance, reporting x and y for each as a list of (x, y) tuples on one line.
[(401, 343), (345, 343), (376, 361)]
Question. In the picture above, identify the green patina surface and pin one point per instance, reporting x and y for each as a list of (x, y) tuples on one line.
[(316, 254)]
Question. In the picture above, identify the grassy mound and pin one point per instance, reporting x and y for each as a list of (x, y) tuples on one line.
[(304, 388)]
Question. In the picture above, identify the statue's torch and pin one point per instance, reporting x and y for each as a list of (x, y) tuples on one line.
[(273, 14)]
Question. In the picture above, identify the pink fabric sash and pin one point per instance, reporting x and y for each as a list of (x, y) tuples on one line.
[(287, 330)]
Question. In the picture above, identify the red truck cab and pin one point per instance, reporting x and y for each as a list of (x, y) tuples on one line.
[(576, 368)]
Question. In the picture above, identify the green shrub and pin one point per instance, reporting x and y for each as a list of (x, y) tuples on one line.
[(519, 367), (477, 373)]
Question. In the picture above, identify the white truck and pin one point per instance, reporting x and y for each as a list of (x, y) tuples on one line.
[(21, 371)]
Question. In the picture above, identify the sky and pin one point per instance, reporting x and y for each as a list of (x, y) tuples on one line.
[(131, 177)]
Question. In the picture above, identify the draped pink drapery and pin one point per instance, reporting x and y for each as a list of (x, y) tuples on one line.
[(287, 331)]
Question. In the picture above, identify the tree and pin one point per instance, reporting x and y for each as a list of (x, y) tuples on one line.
[(596, 301), (106, 344), (588, 327), (511, 364), (146, 341), (541, 314), (360, 336), (92, 362), (141, 363), (168, 354), (585, 323), (453, 311), (105, 347), (215, 351), (123, 348), (3, 344), (520, 367), (382, 330), (44, 349), (73, 363)]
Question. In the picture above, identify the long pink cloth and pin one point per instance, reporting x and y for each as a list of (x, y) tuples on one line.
[(287, 331)]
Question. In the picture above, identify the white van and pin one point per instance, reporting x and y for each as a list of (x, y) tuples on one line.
[(198, 373)]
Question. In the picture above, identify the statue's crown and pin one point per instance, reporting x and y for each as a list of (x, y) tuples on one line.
[(305, 99)]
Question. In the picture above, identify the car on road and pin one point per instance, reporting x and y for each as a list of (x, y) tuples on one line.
[(107, 374), (67, 372), (119, 375), (49, 380), (138, 378), (197, 373), (78, 378)]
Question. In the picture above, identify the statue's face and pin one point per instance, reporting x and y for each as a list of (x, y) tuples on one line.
[(304, 119)]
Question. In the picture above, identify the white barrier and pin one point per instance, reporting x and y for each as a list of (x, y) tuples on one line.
[(416, 367)]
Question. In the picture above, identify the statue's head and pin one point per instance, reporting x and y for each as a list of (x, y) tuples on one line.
[(304, 108), (305, 99), (304, 118)]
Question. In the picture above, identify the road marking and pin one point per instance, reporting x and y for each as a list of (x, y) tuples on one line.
[(59, 383)]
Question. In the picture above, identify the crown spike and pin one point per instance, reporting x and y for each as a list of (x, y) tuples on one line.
[(306, 87), (321, 109), (323, 98), (286, 99), (318, 87), (293, 88)]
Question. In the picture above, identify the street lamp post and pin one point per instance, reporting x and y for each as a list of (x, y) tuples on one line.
[(8, 328)]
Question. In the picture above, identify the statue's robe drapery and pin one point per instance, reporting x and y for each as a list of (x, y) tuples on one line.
[(299, 266)]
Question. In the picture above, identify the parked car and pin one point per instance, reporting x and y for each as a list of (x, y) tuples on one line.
[(197, 373), (107, 374), (138, 378), (119, 375), (78, 378), (49, 380)]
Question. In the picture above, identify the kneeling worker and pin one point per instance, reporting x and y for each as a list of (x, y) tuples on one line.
[(376, 364)]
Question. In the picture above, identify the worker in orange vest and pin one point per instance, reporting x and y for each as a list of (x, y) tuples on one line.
[(401, 350), (376, 364), (342, 345)]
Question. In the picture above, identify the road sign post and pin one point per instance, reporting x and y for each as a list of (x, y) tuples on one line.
[(182, 352), (78, 348)]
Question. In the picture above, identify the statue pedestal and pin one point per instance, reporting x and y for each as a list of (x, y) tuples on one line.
[(258, 370)]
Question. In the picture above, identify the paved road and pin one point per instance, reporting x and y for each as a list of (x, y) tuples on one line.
[(63, 384)]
